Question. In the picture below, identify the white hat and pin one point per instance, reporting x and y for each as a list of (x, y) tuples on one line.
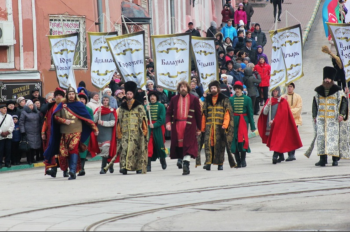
[(29, 102), (20, 99), (106, 90), (241, 23)]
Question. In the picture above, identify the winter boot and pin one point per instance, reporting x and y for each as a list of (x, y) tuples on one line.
[(243, 156), (139, 172), (186, 168), (281, 158), (275, 158), (73, 162), (179, 163), (335, 161), (291, 156), (220, 167), (207, 167), (163, 163), (111, 168), (82, 171), (149, 167), (65, 173), (238, 160), (323, 160), (103, 165), (53, 172), (123, 171)]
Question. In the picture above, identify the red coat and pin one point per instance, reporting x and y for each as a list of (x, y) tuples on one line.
[(284, 135), (226, 15), (265, 71), (240, 15), (190, 146)]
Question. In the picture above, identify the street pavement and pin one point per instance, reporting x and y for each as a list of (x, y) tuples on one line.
[(287, 196)]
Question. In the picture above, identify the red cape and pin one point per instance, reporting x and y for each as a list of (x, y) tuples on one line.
[(284, 136), (113, 146)]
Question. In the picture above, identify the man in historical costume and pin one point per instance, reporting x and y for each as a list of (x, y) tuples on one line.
[(107, 127), (48, 110), (71, 126), (296, 104), (156, 146), (243, 118), (84, 99), (277, 127), (216, 122), (132, 133), (183, 119), (330, 114)]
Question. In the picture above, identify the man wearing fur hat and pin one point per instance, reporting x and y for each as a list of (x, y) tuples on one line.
[(217, 124), (330, 113), (156, 130), (132, 133), (277, 127), (242, 117), (71, 126)]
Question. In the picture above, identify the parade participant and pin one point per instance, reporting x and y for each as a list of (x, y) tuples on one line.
[(71, 126), (156, 131), (295, 103), (330, 113), (59, 94), (107, 127), (6, 128), (277, 127), (132, 133), (243, 117), (113, 102), (216, 120), (183, 119), (84, 99)]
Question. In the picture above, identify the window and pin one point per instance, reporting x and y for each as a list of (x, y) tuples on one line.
[(61, 25)]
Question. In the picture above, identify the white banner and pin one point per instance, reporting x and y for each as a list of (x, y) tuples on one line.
[(102, 64), (206, 60), (278, 68), (292, 47), (172, 60), (63, 51), (129, 55), (341, 34)]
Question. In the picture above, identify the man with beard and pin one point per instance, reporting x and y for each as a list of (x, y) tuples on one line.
[(132, 133), (243, 117), (71, 126), (156, 147), (48, 110), (330, 113), (217, 124), (277, 127), (183, 119)]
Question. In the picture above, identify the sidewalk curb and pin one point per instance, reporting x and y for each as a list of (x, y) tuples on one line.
[(97, 158), (311, 22)]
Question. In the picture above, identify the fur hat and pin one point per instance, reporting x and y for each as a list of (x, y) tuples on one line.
[(238, 85), (155, 93), (10, 102), (329, 72), (59, 91), (83, 95), (214, 83), (131, 86)]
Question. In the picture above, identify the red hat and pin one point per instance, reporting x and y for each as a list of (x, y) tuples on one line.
[(60, 91), (238, 84)]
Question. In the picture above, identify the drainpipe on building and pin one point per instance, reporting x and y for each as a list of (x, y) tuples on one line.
[(100, 15), (150, 12)]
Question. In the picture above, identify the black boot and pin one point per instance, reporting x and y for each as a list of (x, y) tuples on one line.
[(123, 171), (243, 156), (65, 174), (281, 158), (111, 168), (149, 167), (82, 171), (53, 172), (186, 168), (220, 167), (323, 160), (275, 158), (179, 163), (238, 160), (335, 161), (163, 163), (103, 165), (291, 156), (73, 162), (29, 157), (139, 172), (207, 167)]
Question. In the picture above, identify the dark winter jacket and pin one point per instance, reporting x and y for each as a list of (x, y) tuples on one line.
[(238, 43), (226, 15), (16, 134), (163, 98), (41, 99), (194, 32), (259, 37), (251, 54), (276, 1), (261, 55), (113, 86), (29, 124), (251, 82), (15, 111), (248, 8), (212, 30)]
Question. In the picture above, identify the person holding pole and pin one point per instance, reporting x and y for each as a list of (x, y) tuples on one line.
[(277, 127)]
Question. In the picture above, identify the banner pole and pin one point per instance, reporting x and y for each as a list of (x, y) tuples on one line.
[(286, 18), (276, 21), (127, 29), (148, 110), (101, 100)]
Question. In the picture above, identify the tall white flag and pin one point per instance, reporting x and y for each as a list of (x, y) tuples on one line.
[(172, 60), (341, 37), (206, 60), (102, 64), (63, 50), (278, 69), (128, 52)]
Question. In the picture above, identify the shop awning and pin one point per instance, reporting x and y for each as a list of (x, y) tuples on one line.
[(135, 13)]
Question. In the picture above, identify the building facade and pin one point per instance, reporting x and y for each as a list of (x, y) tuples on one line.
[(25, 60)]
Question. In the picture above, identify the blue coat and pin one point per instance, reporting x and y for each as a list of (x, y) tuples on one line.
[(16, 133), (230, 32)]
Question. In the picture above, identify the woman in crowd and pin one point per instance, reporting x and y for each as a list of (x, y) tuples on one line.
[(112, 101), (240, 14), (94, 101), (227, 43)]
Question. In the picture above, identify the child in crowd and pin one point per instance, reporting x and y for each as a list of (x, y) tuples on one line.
[(16, 138), (241, 27)]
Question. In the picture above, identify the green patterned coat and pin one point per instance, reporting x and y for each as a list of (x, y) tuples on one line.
[(84, 154), (133, 144)]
